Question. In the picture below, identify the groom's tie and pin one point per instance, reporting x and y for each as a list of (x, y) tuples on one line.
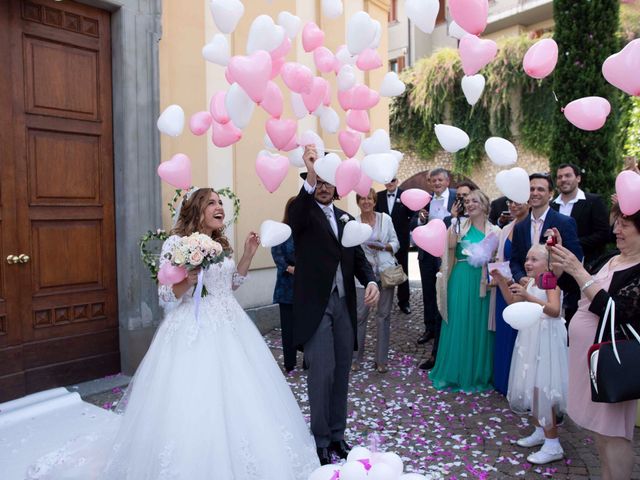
[(338, 280)]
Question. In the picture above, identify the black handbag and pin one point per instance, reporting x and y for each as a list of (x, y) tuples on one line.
[(613, 366)]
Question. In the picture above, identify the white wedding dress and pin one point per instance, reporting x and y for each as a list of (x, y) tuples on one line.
[(208, 402)]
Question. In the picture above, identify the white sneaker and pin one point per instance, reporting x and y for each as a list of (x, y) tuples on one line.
[(544, 456), (534, 440)]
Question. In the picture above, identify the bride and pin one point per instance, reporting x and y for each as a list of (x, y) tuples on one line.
[(208, 401)]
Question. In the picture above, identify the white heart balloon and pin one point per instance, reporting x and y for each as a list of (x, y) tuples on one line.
[(299, 108), (522, 315), (398, 155), (451, 138), (344, 57), (346, 77), (379, 142), (361, 32), (355, 233), (273, 233), (472, 87), (290, 23), (326, 167), (329, 120), (514, 184), (358, 453), (324, 473), (295, 157), (394, 461), (456, 31), (171, 121), (381, 167), (264, 35), (332, 8), (353, 471), (500, 151), (217, 50), (310, 137), (423, 13), (226, 14), (239, 106), (392, 86), (378, 35)]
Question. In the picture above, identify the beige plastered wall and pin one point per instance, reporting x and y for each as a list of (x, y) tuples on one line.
[(187, 80)]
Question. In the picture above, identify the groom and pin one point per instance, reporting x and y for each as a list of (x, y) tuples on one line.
[(324, 305)]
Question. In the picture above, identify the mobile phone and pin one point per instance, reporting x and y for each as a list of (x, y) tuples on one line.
[(506, 213), (552, 241), (547, 281)]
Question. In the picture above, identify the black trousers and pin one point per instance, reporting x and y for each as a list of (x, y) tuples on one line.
[(403, 289), (429, 266), (286, 325)]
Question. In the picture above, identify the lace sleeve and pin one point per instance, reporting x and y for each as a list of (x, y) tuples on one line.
[(238, 280), (167, 298), (628, 303)]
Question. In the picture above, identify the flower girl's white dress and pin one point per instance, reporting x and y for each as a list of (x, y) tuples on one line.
[(208, 402)]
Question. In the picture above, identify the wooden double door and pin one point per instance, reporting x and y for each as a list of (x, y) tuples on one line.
[(58, 304)]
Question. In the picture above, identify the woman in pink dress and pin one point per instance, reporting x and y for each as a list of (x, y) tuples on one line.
[(618, 278)]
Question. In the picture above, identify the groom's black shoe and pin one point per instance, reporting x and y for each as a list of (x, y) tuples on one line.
[(324, 455), (340, 448)]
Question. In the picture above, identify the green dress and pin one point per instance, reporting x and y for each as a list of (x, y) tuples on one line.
[(465, 354)]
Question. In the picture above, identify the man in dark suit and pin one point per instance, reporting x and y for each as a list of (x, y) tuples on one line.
[(389, 202), (499, 212), (442, 201), (538, 226), (324, 305)]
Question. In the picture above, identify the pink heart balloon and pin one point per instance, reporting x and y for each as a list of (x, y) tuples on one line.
[(281, 131), (218, 109), (282, 50), (345, 99), (621, 69), (364, 185), (349, 142), (292, 145), (324, 59), (415, 198), (176, 171), (541, 58), (228, 76), (471, 15), (252, 73), (347, 176), (588, 113), (363, 97), (314, 98), (226, 134), (368, 59), (276, 66), (297, 77), (272, 170), (200, 122), (312, 37), (476, 53), (326, 101), (431, 237), (358, 120), (273, 101), (628, 191), (171, 274)]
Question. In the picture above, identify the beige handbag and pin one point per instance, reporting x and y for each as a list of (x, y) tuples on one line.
[(393, 276)]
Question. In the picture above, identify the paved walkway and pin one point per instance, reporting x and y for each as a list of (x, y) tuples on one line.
[(445, 435)]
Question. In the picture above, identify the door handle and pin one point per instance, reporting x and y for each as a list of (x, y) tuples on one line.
[(22, 258), (12, 259)]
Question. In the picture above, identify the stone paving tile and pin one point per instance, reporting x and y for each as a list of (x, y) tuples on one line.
[(441, 434)]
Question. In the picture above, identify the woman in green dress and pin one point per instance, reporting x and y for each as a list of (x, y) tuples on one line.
[(465, 356)]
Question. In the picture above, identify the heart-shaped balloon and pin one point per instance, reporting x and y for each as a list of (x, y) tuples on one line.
[(361, 32), (252, 73), (329, 120), (297, 77), (415, 198), (358, 120), (451, 138), (423, 13), (377, 37), (476, 53), (368, 60), (363, 98), (500, 151), (355, 233), (283, 50), (628, 191), (332, 8), (271, 169), (514, 184), (471, 15), (312, 138), (456, 31), (228, 77), (276, 66), (281, 131), (381, 167), (273, 101), (392, 86), (349, 142), (472, 87), (176, 171), (314, 98), (346, 78), (621, 69), (264, 35), (345, 99), (363, 188), (324, 59), (299, 110), (226, 14), (345, 57), (239, 106), (359, 453), (273, 233), (432, 237), (541, 58), (290, 23), (295, 157), (217, 107), (378, 142), (522, 315), (171, 121), (217, 50), (200, 122), (312, 37), (588, 113), (326, 167), (223, 135), (393, 461), (171, 274), (347, 176)]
